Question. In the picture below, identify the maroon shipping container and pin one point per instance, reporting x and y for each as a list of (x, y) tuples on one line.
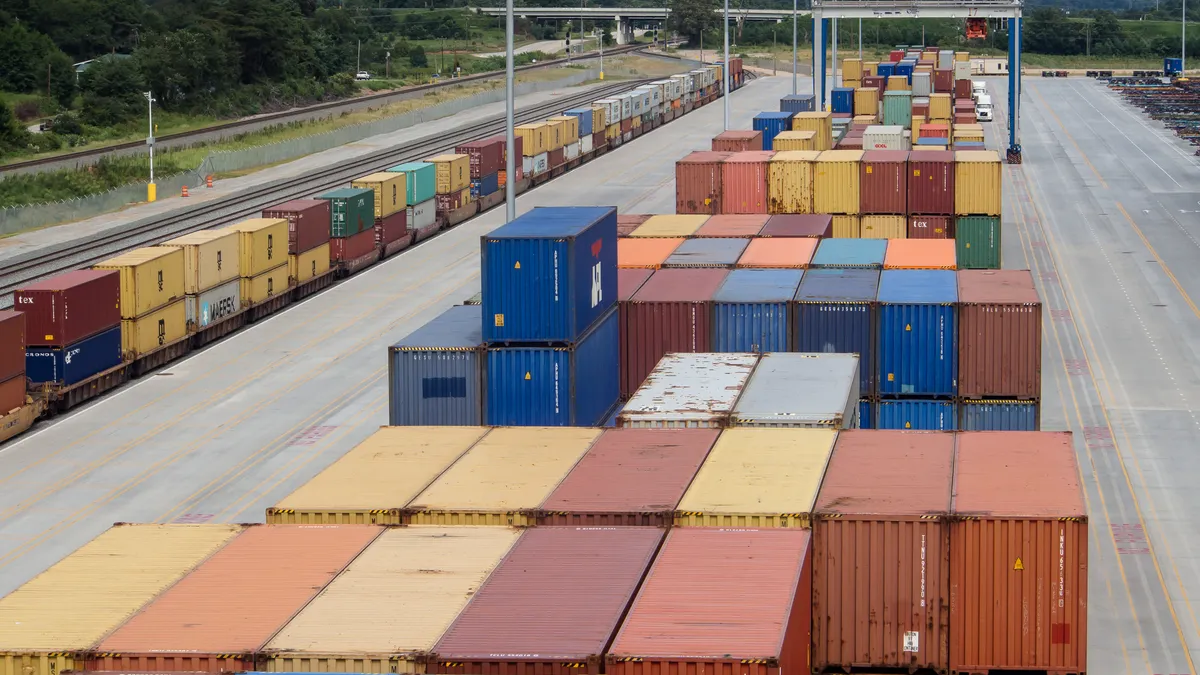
[(1018, 555), (630, 222), (738, 141), (630, 281), (962, 89), (308, 222), (875, 81), (698, 183), (931, 130), (452, 201), (721, 602), (557, 158), (69, 307), (344, 249), (943, 81), (626, 125), (896, 56), (744, 182), (487, 156), (930, 227), (964, 118), (503, 144), (552, 605), (12, 391), (670, 313), (598, 140), (390, 229), (819, 225), (850, 143), (629, 477), (920, 110), (931, 183), (964, 104), (883, 184), (1000, 334), (881, 546), (12, 344)]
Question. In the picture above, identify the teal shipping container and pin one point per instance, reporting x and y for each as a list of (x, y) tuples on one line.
[(897, 108), (977, 242), (420, 179), (352, 210)]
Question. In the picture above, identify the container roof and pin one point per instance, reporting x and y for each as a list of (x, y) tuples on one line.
[(918, 287), (459, 327), (779, 252), (553, 221), (645, 252), (797, 225), (681, 285), (66, 280), (833, 284), (759, 285), (701, 387), (747, 225), (629, 281), (929, 254), (710, 252), (670, 226), (799, 388), (885, 472), (850, 253), (1017, 474), (997, 287)]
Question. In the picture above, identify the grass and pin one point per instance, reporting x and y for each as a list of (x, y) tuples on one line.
[(165, 123)]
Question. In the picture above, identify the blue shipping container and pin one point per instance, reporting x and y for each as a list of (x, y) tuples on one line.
[(836, 313), (885, 69), (797, 103), (771, 123), (843, 100), (585, 119), (926, 140), (750, 310), (916, 413), (573, 386), (918, 332), (1172, 66), (611, 422), (74, 363), (420, 181), (984, 415), (708, 252), (550, 274), (436, 374), (485, 185), (905, 68), (863, 253), (866, 414)]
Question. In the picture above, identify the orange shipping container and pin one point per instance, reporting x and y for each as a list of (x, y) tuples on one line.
[(881, 547), (920, 254), (645, 252), (1018, 554), (785, 252), (231, 605)]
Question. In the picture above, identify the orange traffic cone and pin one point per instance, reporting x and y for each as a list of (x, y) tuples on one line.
[(208, 181), (184, 191)]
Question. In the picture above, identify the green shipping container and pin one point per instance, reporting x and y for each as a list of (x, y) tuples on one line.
[(421, 179), (897, 109), (977, 241), (352, 210)]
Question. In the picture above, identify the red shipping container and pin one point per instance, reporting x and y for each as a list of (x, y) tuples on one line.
[(930, 227), (874, 81), (390, 229), (850, 143), (721, 601), (453, 201), (598, 140), (883, 185), (920, 110), (12, 391), (69, 307), (503, 140), (962, 89), (12, 344), (698, 183), (943, 81), (552, 605), (964, 103), (345, 249), (744, 182), (964, 118), (931, 183), (931, 130), (1000, 334), (308, 222), (748, 225), (896, 56), (1018, 554), (626, 126), (630, 281), (738, 141), (670, 313), (487, 156), (817, 225), (557, 158)]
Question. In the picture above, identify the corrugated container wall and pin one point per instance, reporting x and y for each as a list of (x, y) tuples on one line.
[(795, 140), (308, 222), (453, 173), (436, 374), (884, 182), (797, 103), (918, 329), (260, 287), (315, 262), (836, 182), (215, 304), (390, 191), (689, 391), (738, 141), (917, 413), (790, 177), (1000, 334), (210, 258), (977, 242), (69, 307), (150, 278), (487, 156), (999, 415), (87, 357), (931, 183), (750, 310), (352, 210), (154, 329), (420, 181), (836, 313), (261, 244), (801, 390), (770, 124), (744, 182), (977, 183), (698, 182)]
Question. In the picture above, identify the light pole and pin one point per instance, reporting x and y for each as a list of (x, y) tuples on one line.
[(725, 68), (151, 188), (510, 188), (1183, 42), (795, 42)]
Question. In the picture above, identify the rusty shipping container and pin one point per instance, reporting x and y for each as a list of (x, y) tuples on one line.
[(552, 605), (1000, 334), (931, 183), (630, 477), (881, 546), (670, 313), (883, 182), (744, 182), (1018, 555), (229, 607), (720, 602), (738, 141), (698, 183)]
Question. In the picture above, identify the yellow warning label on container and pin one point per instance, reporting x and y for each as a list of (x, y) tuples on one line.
[(908, 425), (917, 172), (517, 266), (908, 326), (891, 377), (1018, 565), (868, 169), (527, 377), (498, 320)]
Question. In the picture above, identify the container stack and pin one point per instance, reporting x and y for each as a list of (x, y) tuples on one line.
[(12, 360), (212, 280), (351, 226), (453, 175), (263, 263), (75, 315), (391, 214), (883, 190), (836, 190), (977, 204), (486, 159), (437, 374), (153, 307), (420, 191), (308, 236)]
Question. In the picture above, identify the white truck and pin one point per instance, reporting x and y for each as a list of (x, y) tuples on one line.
[(983, 108)]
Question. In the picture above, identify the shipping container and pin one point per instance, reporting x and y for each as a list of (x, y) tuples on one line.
[(932, 227), (210, 258), (503, 478), (850, 253), (897, 106), (260, 244), (549, 274), (420, 180), (670, 226), (922, 83), (535, 138), (308, 222), (628, 222), (920, 254), (866, 413), (670, 313), (552, 605), (758, 478), (883, 182), (750, 310), (575, 385), (698, 183), (918, 332), (390, 191), (482, 187), (797, 103), (925, 414), (1037, 551), (47, 623), (841, 100), (151, 278), (795, 140), (645, 252), (260, 288), (352, 210), (790, 182), (388, 609), (881, 545), (836, 313), (931, 183), (422, 218), (154, 329), (744, 225), (214, 305), (453, 172), (846, 227), (977, 183), (738, 141), (801, 390), (782, 253), (882, 227), (707, 252), (585, 120), (453, 201), (69, 307), (486, 156), (12, 344), (1000, 334), (997, 414), (771, 123), (818, 225), (744, 178), (977, 241), (689, 391), (760, 616), (821, 122), (629, 282), (351, 248), (75, 362), (311, 263), (269, 572), (436, 373), (866, 101), (836, 182)]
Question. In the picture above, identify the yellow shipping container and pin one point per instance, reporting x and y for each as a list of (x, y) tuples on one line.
[(637, 121), (866, 101), (852, 69), (870, 68), (977, 183), (390, 607), (789, 180), (898, 83), (845, 227), (70, 607), (555, 133), (670, 226), (758, 478), (866, 119), (853, 84), (263, 245), (264, 286), (570, 126), (941, 106), (373, 482), (599, 118), (795, 140), (929, 148), (534, 138), (390, 194), (835, 181), (613, 131), (820, 122), (883, 227), (504, 478), (968, 135), (151, 277), (210, 258), (962, 56), (154, 329), (453, 172), (969, 127), (312, 263)]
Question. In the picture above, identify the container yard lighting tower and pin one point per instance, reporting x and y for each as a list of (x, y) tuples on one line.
[(510, 188), (725, 67), (795, 41), (151, 188)]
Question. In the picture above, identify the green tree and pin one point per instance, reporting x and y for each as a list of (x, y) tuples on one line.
[(690, 18), (13, 138), (24, 59), (186, 66), (112, 92), (416, 56)]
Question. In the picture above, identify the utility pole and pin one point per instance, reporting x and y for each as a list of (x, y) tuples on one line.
[(151, 188), (725, 68), (860, 56), (795, 43), (510, 188), (358, 63), (774, 56), (1183, 42)]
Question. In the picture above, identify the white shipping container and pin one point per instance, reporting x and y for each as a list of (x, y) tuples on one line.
[(423, 215), (681, 84), (215, 304), (920, 84), (880, 137), (571, 150), (586, 145), (541, 163), (635, 105), (668, 90), (962, 70), (945, 60), (526, 165), (689, 391), (789, 389), (612, 112)]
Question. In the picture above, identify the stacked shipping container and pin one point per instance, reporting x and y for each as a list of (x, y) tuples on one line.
[(153, 311), (76, 314)]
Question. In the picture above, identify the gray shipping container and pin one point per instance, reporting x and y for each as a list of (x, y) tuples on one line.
[(689, 391), (423, 215), (791, 389), (435, 375), (215, 304)]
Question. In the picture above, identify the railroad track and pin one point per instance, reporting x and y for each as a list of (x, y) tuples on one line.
[(22, 270)]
